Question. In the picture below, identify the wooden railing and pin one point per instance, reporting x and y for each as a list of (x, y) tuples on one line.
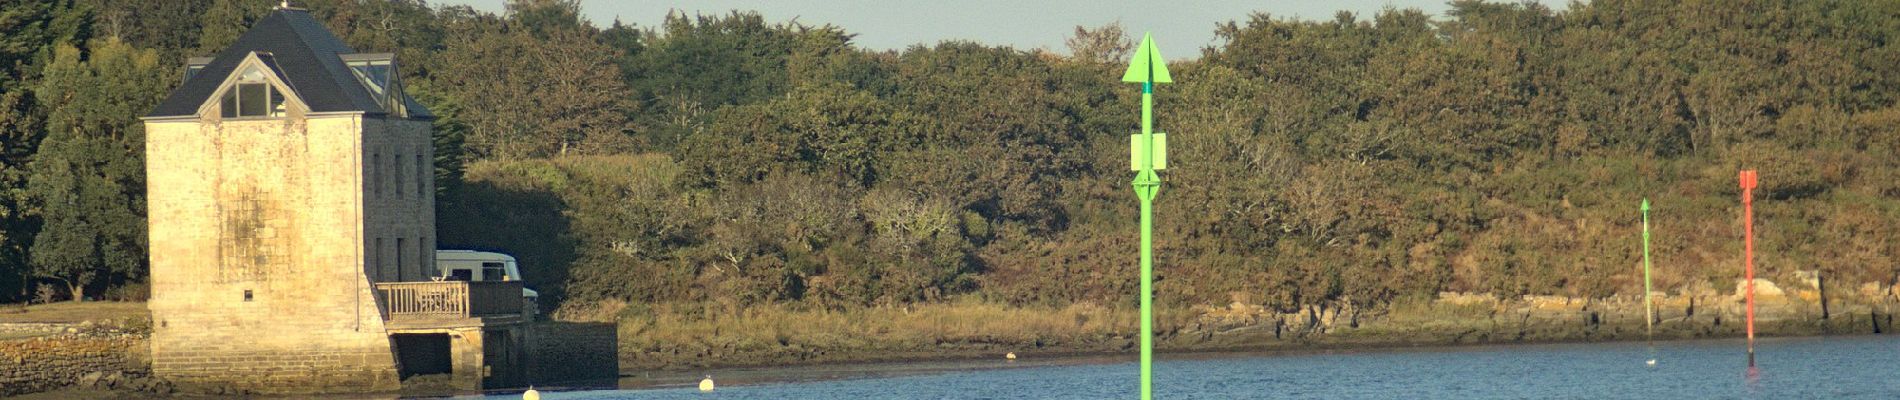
[(451, 299)]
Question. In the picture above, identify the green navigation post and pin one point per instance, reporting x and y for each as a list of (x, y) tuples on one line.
[(1649, 308), (1147, 152)]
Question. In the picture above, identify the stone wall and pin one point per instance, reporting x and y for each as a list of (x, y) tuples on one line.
[(51, 362), (572, 353), (398, 200)]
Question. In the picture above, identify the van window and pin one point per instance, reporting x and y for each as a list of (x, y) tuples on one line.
[(459, 274), (493, 271)]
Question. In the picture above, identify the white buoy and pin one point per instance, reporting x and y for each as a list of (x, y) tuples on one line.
[(1652, 362), (531, 394), (1011, 356), (706, 385)]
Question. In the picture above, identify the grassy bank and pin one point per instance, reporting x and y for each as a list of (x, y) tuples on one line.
[(72, 312), (688, 336), (19, 321)]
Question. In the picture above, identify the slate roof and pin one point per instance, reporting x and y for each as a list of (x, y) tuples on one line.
[(270, 62), (303, 52)]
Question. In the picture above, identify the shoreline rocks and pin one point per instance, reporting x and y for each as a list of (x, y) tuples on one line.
[(1450, 319), (1457, 318), (75, 356)]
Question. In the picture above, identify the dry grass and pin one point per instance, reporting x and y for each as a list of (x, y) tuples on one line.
[(781, 329), (71, 312)]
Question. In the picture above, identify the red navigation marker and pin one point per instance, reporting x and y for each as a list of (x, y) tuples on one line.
[(1748, 253)]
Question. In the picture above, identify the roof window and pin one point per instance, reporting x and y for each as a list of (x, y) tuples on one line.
[(377, 73), (252, 96)]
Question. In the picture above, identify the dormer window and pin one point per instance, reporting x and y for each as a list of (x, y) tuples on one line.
[(252, 96), (377, 73), (195, 65), (374, 75)]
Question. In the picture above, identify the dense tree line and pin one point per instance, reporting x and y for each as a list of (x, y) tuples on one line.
[(1500, 148)]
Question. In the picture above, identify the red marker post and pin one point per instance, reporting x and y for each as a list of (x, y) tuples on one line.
[(1748, 253)]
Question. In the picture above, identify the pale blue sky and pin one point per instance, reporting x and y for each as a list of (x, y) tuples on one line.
[(1181, 27)]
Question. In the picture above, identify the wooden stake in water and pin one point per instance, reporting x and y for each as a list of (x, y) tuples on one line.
[(1748, 253)]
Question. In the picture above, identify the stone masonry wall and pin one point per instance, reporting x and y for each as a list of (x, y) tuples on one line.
[(51, 362), (399, 200), (573, 353)]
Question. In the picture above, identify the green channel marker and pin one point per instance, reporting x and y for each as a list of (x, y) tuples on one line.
[(1148, 151), (1649, 308)]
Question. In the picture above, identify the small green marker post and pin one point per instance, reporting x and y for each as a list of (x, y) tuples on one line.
[(1649, 308), (1148, 151)]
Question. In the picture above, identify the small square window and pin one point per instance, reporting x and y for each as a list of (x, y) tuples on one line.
[(247, 295)]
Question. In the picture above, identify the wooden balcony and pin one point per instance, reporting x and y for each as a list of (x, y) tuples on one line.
[(450, 304)]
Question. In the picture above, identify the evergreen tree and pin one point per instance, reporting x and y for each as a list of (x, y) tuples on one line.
[(29, 30), (224, 20), (87, 180), (527, 90)]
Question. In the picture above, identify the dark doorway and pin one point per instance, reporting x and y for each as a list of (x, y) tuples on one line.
[(423, 354), (498, 356)]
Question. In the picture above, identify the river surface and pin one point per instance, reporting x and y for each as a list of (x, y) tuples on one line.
[(1852, 367)]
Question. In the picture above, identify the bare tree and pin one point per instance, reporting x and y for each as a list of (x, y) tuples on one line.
[(1104, 45)]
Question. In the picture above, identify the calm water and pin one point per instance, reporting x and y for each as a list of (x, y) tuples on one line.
[(1866, 367)]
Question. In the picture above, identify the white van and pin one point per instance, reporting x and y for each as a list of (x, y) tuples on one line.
[(482, 266)]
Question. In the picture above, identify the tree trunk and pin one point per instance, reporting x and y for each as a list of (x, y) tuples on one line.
[(76, 290)]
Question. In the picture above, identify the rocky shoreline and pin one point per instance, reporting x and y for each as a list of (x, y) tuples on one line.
[(1457, 318), (105, 355), (110, 356), (1450, 319)]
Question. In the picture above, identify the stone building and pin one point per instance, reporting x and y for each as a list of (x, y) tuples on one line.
[(291, 205)]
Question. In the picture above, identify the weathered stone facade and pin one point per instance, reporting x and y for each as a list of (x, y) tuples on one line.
[(275, 210), (402, 214), (264, 241)]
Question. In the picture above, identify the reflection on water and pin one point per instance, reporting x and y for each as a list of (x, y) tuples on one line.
[(1860, 367)]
